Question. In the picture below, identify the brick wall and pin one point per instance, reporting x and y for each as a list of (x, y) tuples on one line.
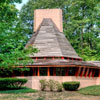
[(54, 14)]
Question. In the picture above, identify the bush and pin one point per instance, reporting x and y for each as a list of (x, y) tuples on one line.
[(71, 85), (43, 84), (11, 83), (59, 87), (51, 84)]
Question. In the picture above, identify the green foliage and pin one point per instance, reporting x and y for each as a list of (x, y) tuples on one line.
[(91, 90), (81, 23), (13, 37), (43, 84), (51, 84), (59, 87), (11, 83), (6, 72), (21, 69), (72, 86), (20, 90)]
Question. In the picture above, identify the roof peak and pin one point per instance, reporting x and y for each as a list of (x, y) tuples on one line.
[(51, 42)]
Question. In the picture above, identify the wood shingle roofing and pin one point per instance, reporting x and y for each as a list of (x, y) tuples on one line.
[(96, 63), (61, 63), (51, 42)]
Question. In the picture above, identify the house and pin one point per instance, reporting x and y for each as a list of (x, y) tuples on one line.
[(56, 58)]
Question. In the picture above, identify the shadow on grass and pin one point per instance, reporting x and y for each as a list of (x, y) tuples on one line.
[(20, 90)]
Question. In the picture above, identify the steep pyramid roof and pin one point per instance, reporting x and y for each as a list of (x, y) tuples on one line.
[(51, 42)]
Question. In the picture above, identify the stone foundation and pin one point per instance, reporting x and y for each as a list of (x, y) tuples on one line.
[(33, 81)]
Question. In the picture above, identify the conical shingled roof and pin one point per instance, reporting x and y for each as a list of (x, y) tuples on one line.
[(51, 42)]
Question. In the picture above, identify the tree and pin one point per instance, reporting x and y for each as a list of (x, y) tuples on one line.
[(12, 39), (81, 23)]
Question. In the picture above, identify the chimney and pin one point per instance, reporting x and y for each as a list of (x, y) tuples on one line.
[(54, 14)]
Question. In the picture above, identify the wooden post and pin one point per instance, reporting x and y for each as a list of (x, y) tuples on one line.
[(13, 74), (62, 57), (87, 72), (99, 73), (90, 74), (66, 71), (33, 71), (36, 58), (82, 73), (22, 74), (54, 71), (44, 58), (53, 58), (38, 73), (93, 73), (77, 71), (48, 71)]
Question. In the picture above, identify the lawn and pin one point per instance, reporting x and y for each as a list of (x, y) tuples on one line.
[(91, 90), (88, 93), (40, 95), (21, 90)]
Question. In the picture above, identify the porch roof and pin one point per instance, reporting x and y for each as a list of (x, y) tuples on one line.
[(60, 63)]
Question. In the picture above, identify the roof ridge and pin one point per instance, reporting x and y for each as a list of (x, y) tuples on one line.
[(51, 42), (57, 30), (54, 25), (33, 37)]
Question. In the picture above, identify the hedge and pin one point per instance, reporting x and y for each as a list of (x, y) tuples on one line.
[(72, 86), (11, 83)]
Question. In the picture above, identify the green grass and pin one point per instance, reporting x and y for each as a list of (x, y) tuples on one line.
[(21, 90), (91, 90)]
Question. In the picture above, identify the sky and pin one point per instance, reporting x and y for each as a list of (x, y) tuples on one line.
[(19, 6)]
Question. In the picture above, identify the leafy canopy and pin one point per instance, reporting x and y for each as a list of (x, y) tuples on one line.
[(12, 37), (81, 23)]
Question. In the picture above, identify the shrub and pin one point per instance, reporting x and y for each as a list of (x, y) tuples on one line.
[(59, 87), (71, 85), (43, 84), (11, 83), (51, 84)]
